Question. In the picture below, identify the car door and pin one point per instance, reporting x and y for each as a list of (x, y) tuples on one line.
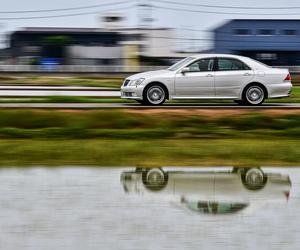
[(198, 81), (231, 76), (193, 185)]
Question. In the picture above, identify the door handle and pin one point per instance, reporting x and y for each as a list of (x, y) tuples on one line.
[(209, 75), (247, 74)]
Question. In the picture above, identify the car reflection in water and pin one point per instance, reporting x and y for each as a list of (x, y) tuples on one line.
[(211, 192)]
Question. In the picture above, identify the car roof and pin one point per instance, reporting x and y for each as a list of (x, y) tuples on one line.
[(199, 56)]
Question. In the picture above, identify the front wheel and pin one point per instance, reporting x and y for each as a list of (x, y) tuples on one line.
[(254, 95), (155, 95)]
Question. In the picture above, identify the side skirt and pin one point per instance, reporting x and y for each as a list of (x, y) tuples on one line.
[(204, 98)]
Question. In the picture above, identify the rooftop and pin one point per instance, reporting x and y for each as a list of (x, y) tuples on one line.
[(257, 20)]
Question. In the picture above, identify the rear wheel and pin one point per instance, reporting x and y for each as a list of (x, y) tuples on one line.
[(254, 95), (155, 95), (154, 179)]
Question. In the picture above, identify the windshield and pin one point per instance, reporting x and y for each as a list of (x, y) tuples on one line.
[(179, 64)]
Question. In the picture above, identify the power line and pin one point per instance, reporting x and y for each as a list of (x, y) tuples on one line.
[(63, 15), (64, 9), (226, 7), (159, 1), (224, 13)]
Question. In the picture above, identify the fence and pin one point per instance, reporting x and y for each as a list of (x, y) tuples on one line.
[(76, 69)]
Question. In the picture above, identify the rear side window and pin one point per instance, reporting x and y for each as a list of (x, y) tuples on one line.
[(226, 64)]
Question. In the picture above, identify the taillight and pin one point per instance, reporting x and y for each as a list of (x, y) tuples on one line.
[(288, 77)]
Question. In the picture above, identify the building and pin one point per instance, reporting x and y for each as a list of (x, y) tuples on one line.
[(112, 44), (275, 42), (92, 46), (65, 46)]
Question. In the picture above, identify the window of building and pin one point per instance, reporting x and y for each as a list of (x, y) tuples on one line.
[(266, 56), (242, 32), (289, 32), (266, 32), (225, 64)]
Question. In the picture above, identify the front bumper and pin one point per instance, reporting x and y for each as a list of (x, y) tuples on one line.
[(132, 92)]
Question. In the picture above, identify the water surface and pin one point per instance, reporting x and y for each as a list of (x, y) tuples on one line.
[(100, 208)]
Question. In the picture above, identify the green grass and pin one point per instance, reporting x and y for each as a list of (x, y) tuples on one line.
[(121, 138), (188, 152), (122, 124)]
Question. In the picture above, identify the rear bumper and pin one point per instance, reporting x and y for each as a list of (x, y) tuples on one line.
[(280, 90), (132, 92)]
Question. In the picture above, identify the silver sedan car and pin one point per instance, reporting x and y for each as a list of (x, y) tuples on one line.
[(210, 76)]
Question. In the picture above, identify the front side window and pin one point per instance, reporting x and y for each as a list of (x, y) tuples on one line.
[(225, 64), (202, 65), (181, 63)]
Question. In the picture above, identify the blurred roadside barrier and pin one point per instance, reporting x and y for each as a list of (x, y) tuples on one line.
[(77, 69), (292, 69)]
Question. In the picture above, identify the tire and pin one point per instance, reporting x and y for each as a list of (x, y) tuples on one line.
[(254, 95), (154, 179), (155, 95), (253, 178)]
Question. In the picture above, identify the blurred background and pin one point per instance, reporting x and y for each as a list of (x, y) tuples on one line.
[(136, 35)]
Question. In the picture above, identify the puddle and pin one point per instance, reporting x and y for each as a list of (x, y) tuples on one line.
[(168, 208)]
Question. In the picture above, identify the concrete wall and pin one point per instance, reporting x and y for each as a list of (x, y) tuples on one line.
[(94, 52)]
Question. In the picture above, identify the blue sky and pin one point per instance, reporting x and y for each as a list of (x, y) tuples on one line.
[(162, 17)]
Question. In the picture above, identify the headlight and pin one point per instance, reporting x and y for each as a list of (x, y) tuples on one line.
[(136, 82)]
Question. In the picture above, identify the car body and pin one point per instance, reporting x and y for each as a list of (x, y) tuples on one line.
[(210, 76), (225, 191)]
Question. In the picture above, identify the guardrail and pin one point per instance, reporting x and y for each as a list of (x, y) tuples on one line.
[(95, 69), (76, 69)]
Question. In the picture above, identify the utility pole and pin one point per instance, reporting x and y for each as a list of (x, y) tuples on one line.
[(2, 38), (145, 18)]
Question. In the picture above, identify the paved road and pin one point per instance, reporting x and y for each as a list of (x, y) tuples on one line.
[(43, 91), (30, 87), (137, 106)]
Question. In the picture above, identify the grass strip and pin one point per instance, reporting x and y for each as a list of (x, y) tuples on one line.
[(125, 124), (189, 152)]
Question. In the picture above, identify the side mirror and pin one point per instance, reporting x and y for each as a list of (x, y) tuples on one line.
[(185, 70)]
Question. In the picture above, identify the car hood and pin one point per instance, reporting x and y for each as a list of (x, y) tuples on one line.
[(150, 74)]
